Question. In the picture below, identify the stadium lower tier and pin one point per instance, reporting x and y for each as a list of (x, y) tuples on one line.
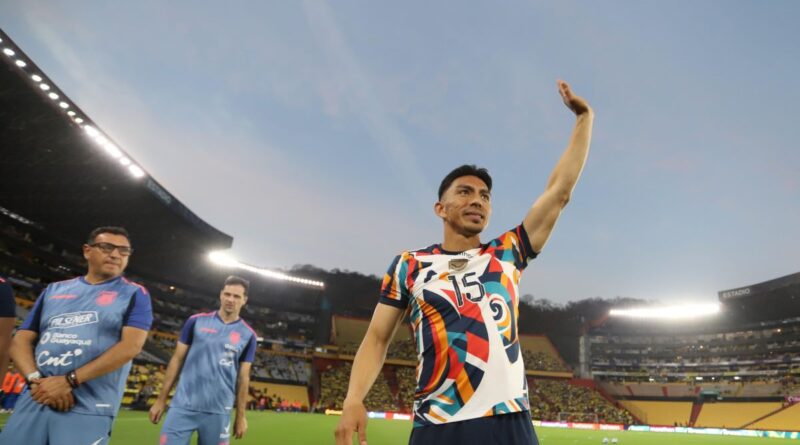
[(660, 413), (731, 415)]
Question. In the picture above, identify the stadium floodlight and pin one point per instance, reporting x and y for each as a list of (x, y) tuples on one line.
[(70, 113), (52, 95), (78, 120), (8, 51), (684, 312), (21, 63), (63, 105), (136, 171), (223, 259), (36, 78), (44, 86), (699, 378), (124, 161), (91, 131), (113, 150)]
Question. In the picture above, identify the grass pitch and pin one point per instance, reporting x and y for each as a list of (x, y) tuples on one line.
[(268, 428)]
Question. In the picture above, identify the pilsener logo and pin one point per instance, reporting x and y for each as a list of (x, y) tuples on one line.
[(73, 319)]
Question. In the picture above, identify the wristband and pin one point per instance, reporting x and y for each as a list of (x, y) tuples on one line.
[(72, 379), (32, 376)]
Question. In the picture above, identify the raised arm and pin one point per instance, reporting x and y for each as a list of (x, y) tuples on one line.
[(542, 217), (173, 369), (366, 367)]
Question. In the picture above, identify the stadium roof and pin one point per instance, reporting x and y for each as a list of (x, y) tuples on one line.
[(758, 305), (60, 171)]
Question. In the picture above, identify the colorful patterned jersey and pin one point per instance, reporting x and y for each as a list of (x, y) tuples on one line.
[(463, 309)]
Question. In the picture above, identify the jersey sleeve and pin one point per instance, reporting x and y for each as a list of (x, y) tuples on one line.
[(8, 307), (140, 311), (394, 288), (187, 333), (33, 320), (514, 247), (249, 352)]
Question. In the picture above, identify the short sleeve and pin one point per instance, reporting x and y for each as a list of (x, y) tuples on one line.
[(514, 247), (187, 333), (33, 320), (249, 353), (394, 288), (8, 308), (140, 311)]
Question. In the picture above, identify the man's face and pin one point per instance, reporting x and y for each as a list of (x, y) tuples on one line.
[(466, 206), (108, 255), (232, 298)]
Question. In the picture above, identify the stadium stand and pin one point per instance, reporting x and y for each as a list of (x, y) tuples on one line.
[(733, 415), (740, 369), (787, 415), (334, 390), (579, 403), (281, 397), (660, 413)]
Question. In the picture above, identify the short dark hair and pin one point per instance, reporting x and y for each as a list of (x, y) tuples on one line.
[(114, 230), (233, 280), (465, 170)]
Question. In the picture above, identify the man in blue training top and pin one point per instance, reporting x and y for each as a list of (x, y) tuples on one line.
[(213, 357), (75, 349)]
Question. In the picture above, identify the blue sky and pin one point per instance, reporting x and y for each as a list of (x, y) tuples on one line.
[(317, 132)]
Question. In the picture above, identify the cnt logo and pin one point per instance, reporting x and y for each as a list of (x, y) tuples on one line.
[(72, 319)]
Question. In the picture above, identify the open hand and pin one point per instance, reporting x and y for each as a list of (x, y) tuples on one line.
[(240, 427), (157, 410), (577, 104), (354, 418)]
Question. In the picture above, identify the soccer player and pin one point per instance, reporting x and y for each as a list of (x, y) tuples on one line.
[(213, 357), (75, 349), (8, 316), (462, 300)]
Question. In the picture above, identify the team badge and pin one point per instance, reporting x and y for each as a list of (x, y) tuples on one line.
[(235, 337), (106, 298)]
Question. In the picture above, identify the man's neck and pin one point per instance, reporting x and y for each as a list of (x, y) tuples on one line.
[(227, 318), (457, 242), (92, 278)]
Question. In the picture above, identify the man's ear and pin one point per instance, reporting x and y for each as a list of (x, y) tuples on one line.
[(438, 208)]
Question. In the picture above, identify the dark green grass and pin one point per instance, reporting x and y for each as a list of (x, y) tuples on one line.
[(133, 428)]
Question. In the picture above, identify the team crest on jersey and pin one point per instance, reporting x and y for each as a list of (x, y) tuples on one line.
[(235, 337), (106, 298)]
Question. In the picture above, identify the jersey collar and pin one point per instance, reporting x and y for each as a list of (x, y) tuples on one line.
[(216, 314), (82, 279)]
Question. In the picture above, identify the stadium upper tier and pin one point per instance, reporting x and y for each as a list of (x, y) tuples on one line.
[(62, 174)]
